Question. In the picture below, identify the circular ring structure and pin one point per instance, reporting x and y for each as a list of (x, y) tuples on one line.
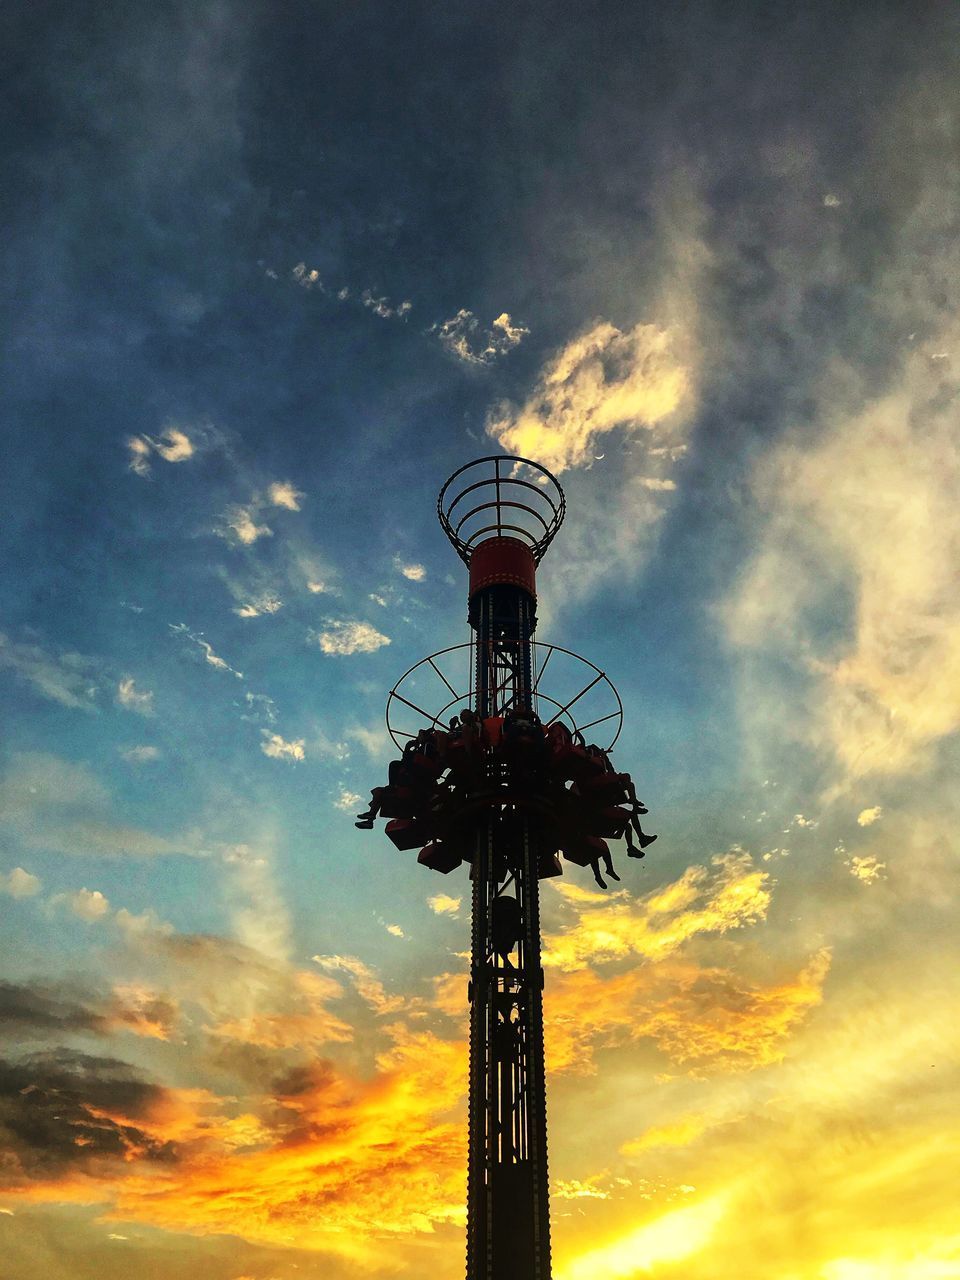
[(439, 685), (501, 497)]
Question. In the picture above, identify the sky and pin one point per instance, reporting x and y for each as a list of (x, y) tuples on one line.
[(271, 273)]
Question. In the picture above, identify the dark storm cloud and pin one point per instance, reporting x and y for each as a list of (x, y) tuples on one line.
[(58, 1110), (44, 1009), (38, 1010)]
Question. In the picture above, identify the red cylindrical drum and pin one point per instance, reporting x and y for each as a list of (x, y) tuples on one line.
[(503, 560)]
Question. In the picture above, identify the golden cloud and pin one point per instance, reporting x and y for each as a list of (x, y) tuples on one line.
[(601, 380), (729, 894), (867, 512), (709, 1019)]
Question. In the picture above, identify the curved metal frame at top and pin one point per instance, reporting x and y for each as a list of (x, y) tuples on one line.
[(549, 492), (466, 697)]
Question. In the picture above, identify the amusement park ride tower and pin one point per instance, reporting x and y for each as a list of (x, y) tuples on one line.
[(504, 786)]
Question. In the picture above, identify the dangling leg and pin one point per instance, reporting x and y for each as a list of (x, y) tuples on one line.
[(596, 874), (365, 820), (608, 866), (642, 837), (632, 850)]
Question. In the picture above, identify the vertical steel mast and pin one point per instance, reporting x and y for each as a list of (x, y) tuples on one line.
[(508, 1220), (506, 792)]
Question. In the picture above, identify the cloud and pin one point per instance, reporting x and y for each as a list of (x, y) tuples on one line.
[(466, 338), (728, 894), (134, 699), (211, 658), (238, 523), (707, 1018), (668, 1238), (443, 905), (87, 904), (866, 869), (859, 524), (375, 741), (395, 931), (283, 494), (277, 748), (265, 604), (677, 1133), (32, 1010), (307, 277), (173, 445), (345, 637), (55, 804), (413, 572), (384, 308), (348, 801), (601, 381), (867, 817), (259, 915), (66, 678), (65, 1110), (367, 984), (19, 883), (140, 754)]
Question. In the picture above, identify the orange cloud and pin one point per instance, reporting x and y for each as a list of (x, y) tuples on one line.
[(711, 1018)]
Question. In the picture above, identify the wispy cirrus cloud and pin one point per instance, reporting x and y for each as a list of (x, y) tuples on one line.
[(144, 753), (56, 804), (212, 659), (66, 677)]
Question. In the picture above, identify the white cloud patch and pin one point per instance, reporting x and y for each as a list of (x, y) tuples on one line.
[(283, 494), (134, 699), (87, 904), (19, 883), (212, 659), (412, 572), (172, 445), (278, 748), (238, 523), (346, 637), (259, 607), (443, 905), (140, 754), (348, 801), (395, 931), (867, 817), (465, 337), (602, 380)]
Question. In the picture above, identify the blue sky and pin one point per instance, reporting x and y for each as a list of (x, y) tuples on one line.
[(272, 274)]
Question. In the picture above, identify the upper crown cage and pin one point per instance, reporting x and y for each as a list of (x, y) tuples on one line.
[(505, 504)]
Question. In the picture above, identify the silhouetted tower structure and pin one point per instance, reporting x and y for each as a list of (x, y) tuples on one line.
[(508, 1210), (505, 786)]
